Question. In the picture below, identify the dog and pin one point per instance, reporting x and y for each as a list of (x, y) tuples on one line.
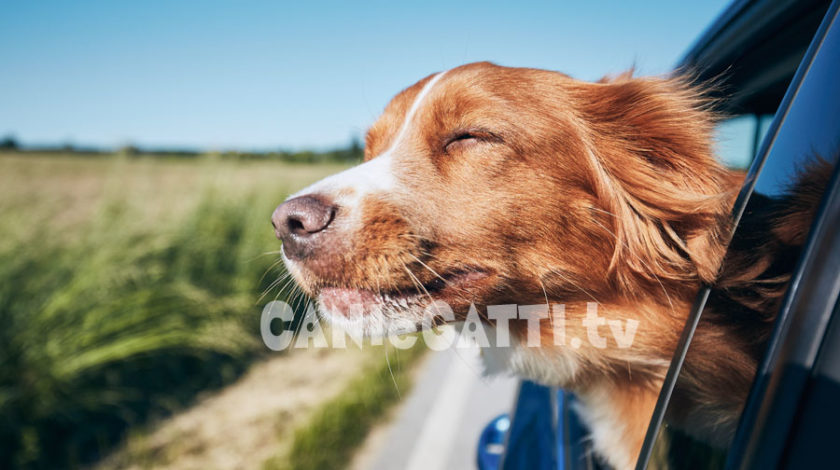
[(488, 185)]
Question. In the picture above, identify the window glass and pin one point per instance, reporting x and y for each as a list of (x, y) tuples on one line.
[(737, 139), (729, 342), (734, 141)]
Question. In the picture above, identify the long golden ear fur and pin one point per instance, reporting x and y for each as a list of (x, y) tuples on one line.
[(653, 166)]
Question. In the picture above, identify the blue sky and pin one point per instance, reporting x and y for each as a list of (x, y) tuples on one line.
[(306, 74)]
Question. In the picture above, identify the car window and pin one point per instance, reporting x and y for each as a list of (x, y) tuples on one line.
[(800, 158), (738, 137)]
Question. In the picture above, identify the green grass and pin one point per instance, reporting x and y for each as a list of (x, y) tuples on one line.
[(126, 287), (331, 435)]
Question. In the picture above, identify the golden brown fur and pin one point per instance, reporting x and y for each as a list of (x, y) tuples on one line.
[(564, 192), (746, 295)]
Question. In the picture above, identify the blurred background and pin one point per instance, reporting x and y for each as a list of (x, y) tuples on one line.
[(143, 146)]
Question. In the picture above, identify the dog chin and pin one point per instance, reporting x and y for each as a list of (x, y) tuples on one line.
[(362, 312)]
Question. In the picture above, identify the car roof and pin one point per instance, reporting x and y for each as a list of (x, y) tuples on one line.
[(766, 39)]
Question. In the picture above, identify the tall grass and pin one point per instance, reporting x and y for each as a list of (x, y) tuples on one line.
[(126, 320)]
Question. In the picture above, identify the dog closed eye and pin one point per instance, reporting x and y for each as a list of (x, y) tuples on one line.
[(463, 139)]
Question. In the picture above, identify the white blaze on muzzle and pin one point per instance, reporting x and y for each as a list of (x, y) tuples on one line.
[(348, 188)]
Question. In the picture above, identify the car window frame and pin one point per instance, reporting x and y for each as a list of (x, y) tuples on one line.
[(747, 190)]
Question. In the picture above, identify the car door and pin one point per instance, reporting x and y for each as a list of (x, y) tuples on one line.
[(805, 133)]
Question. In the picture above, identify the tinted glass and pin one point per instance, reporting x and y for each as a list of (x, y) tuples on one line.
[(740, 312), (738, 137)]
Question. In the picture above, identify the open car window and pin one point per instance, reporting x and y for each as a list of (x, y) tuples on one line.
[(738, 138), (799, 153)]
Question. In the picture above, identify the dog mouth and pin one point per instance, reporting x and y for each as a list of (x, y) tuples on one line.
[(454, 287)]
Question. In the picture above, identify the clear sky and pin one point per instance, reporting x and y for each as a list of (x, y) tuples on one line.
[(264, 74)]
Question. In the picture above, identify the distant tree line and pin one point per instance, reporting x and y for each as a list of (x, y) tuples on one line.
[(8, 143), (353, 152)]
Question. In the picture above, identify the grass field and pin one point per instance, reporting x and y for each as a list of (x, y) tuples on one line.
[(127, 286)]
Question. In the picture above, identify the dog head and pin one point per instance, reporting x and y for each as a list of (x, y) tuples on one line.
[(491, 185)]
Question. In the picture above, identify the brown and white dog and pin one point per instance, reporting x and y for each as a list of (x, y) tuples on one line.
[(490, 185)]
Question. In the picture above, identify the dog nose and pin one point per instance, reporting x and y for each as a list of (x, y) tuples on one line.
[(298, 220)]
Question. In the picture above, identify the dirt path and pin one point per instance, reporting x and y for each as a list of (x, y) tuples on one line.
[(242, 425)]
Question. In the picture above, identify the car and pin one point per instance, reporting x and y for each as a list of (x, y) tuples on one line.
[(776, 64)]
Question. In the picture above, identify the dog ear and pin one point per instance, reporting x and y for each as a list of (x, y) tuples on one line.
[(653, 167)]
